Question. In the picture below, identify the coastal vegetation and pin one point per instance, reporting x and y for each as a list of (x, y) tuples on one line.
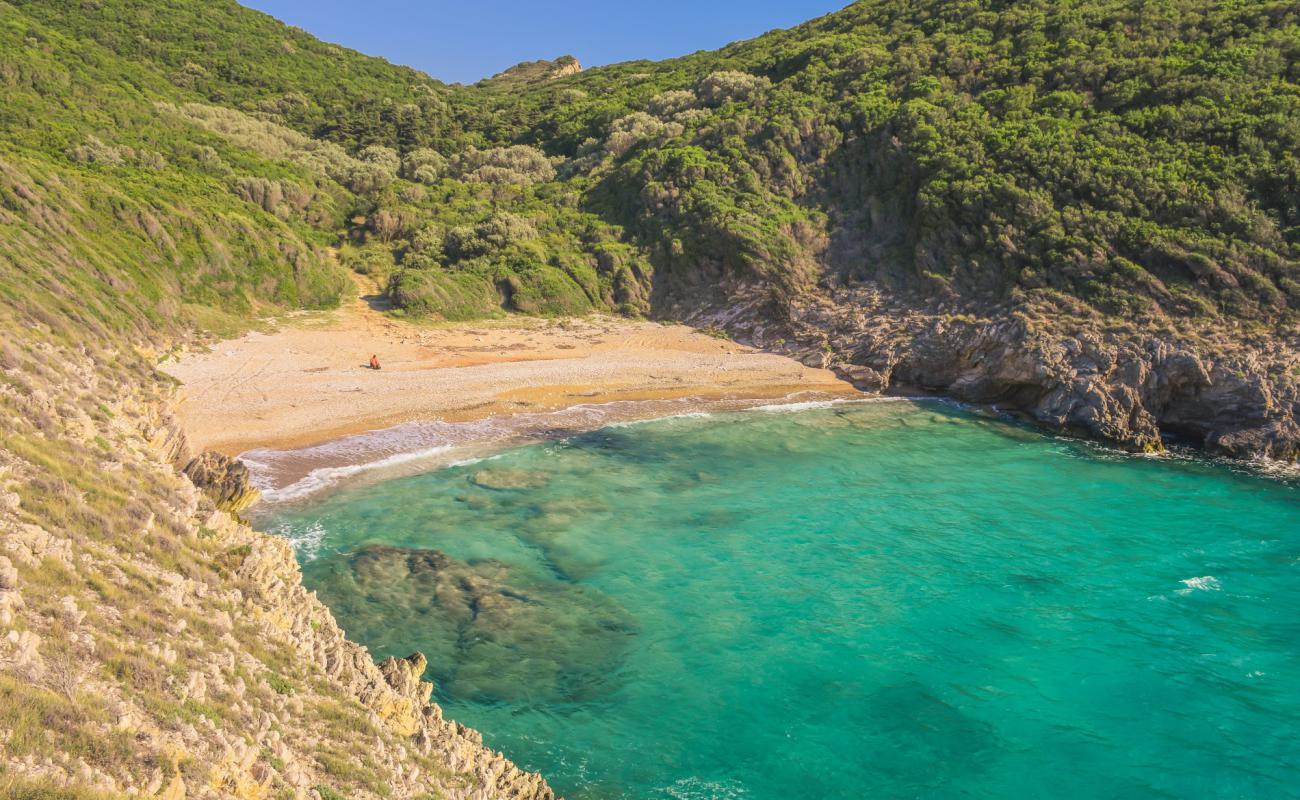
[(1140, 159)]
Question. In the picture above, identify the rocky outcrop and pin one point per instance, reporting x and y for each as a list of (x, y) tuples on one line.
[(565, 66), (165, 434), (1232, 393), (224, 479), (393, 690), (529, 73), (153, 645)]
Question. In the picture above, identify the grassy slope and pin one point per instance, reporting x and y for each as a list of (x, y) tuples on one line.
[(117, 216), (243, 59), (109, 253)]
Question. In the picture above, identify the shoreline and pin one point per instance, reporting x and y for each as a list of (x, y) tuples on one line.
[(301, 393), (290, 475), (546, 400)]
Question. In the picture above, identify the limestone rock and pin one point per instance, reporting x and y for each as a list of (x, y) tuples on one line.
[(8, 575), (1132, 386), (224, 479), (405, 674)]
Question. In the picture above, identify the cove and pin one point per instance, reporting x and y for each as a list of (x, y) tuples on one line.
[(888, 599)]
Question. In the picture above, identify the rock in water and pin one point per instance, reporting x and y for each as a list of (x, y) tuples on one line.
[(224, 479), (509, 479), (494, 633)]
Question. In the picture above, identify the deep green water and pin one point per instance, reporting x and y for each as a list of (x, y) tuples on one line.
[(879, 600)]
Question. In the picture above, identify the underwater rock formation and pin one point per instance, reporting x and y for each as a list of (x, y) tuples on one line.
[(493, 633)]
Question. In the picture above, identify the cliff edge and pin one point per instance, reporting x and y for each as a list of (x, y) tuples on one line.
[(153, 645)]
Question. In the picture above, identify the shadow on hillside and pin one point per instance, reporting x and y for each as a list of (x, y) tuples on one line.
[(378, 302)]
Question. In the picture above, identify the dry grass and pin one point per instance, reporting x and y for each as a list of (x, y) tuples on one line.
[(45, 723), (16, 788)]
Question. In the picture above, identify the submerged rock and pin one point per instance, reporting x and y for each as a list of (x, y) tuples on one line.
[(510, 479), (494, 633)]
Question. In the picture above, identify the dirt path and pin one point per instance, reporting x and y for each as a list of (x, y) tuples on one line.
[(307, 381)]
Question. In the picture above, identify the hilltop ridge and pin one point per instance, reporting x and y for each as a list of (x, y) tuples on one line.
[(526, 73)]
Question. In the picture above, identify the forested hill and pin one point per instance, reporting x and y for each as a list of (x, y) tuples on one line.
[(1138, 157), (1133, 155)]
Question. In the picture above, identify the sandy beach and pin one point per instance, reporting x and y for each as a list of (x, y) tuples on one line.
[(306, 381)]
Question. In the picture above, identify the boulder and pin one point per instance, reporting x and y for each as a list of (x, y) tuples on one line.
[(224, 479)]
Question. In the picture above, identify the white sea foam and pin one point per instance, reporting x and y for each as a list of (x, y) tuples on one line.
[(1205, 583), (284, 476), (684, 415), (1285, 471), (813, 405), (702, 789), (324, 477), (465, 462), (288, 475), (306, 541)]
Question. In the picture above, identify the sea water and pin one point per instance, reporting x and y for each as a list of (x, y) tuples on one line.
[(887, 599)]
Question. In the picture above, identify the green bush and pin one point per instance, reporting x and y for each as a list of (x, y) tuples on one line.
[(449, 295)]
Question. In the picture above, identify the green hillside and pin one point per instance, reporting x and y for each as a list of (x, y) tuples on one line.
[(1140, 158), (119, 214)]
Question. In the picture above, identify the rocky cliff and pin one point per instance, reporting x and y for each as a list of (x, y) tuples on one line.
[(151, 644), (1140, 385)]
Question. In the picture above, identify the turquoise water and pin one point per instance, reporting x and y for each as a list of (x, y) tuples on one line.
[(872, 600)]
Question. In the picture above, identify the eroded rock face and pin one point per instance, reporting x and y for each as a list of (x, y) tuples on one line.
[(492, 634), (224, 479), (404, 675), (1227, 392), (393, 690), (183, 640)]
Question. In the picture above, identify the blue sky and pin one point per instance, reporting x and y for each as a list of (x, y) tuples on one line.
[(471, 39)]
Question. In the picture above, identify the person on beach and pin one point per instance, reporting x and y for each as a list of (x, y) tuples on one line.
[(374, 361)]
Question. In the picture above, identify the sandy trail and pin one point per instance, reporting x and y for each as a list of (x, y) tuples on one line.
[(306, 381)]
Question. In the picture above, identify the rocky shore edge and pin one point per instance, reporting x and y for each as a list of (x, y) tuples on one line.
[(177, 644), (393, 690), (1231, 393)]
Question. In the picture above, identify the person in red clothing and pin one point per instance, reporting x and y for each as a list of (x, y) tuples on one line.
[(374, 361)]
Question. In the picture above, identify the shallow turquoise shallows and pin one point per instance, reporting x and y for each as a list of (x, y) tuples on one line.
[(884, 600)]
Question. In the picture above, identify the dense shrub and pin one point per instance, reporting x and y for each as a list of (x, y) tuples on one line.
[(670, 103), (519, 164), (450, 295), (1140, 159), (729, 85), (626, 132), (424, 165)]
